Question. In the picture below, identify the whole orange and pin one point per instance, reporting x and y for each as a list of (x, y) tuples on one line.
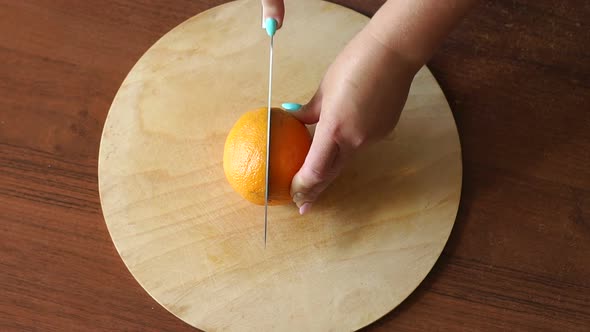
[(244, 155)]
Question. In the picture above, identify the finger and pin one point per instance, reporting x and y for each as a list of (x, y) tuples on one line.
[(322, 165), (310, 112), (274, 9)]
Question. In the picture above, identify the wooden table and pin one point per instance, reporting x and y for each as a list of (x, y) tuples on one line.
[(517, 76)]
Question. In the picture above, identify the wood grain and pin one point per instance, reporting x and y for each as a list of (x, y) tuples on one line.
[(517, 76), (197, 247)]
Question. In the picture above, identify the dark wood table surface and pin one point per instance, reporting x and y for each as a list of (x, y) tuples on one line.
[(517, 76)]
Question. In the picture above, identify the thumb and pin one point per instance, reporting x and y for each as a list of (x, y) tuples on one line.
[(322, 165)]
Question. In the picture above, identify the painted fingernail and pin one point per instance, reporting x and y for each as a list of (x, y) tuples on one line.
[(271, 26), (304, 208), (291, 107)]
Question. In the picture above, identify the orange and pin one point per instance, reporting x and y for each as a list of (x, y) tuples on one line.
[(244, 155)]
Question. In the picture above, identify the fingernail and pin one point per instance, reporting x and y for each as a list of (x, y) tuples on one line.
[(271, 26), (291, 107), (304, 208)]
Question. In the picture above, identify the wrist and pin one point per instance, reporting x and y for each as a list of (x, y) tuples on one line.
[(415, 29), (391, 57)]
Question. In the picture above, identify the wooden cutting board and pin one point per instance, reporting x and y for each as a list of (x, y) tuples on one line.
[(197, 247)]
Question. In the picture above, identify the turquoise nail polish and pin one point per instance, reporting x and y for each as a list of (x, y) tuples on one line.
[(271, 26), (291, 107)]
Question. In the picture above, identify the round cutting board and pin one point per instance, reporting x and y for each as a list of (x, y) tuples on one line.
[(197, 247)]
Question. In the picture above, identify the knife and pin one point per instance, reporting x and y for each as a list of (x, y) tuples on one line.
[(271, 28)]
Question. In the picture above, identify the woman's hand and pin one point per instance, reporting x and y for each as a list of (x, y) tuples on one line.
[(365, 89), (358, 101)]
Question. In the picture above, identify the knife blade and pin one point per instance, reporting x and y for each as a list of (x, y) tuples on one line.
[(271, 26)]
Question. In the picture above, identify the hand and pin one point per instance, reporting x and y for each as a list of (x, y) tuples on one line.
[(358, 101), (274, 9), (365, 89)]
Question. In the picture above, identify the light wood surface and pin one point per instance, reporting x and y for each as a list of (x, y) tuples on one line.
[(197, 247)]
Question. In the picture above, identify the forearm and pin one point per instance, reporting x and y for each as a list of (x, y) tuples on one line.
[(413, 29)]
